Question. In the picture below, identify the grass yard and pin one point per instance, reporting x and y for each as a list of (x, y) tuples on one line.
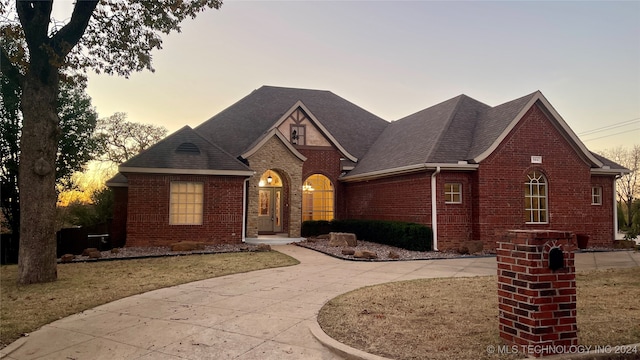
[(457, 318), (82, 286)]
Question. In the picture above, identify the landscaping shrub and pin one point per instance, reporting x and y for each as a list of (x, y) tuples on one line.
[(410, 236), (315, 228)]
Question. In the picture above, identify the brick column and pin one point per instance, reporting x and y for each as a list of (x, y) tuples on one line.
[(537, 304)]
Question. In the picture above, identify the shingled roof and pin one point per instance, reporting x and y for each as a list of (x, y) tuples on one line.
[(185, 152), (442, 133), (457, 132), (244, 123)]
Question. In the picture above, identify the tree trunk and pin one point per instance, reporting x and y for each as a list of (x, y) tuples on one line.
[(38, 151)]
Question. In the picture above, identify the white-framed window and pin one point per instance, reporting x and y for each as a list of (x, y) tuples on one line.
[(186, 201), (452, 193), (596, 195), (535, 198)]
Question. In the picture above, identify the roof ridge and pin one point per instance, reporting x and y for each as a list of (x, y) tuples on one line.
[(164, 139), (489, 118), (217, 147), (291, 88), (449, 121)]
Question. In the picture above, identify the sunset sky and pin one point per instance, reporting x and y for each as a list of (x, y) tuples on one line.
[(396, 58)]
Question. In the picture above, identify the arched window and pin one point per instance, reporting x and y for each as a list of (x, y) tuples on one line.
[(317, 198), (535, 199)]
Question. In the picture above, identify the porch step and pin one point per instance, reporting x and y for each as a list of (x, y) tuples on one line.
[(276, 239)]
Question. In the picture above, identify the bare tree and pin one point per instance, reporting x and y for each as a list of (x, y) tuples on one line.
[(628, 187), (110, 36), (122, 139)]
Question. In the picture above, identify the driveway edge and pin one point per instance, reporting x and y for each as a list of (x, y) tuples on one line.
[(339, 348)]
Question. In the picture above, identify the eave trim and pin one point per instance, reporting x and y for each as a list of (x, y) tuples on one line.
[(602, 171), (140, 170), (273, 132), (402, 170)]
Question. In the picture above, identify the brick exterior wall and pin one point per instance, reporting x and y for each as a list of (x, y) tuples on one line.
[(400, 198), (454, 220), (118, 230), (148, 210), (498, 186), (600, 228), (408, 198)]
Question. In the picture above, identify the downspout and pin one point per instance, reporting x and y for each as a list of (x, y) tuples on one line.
[(434, 208), (615, 207), (244, 209)]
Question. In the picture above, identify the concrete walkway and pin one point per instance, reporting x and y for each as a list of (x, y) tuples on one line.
[(264, 314)]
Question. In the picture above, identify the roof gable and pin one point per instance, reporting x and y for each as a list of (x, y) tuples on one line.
[(498, 122), (263, 140), (298, 109), (185, 152), (413, 140)]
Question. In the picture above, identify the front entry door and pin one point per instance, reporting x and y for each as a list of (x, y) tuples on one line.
[(270, 211)]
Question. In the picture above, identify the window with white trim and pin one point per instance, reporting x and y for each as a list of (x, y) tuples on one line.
[(596, 195), (186, 201), (452, 193), (535, 198)]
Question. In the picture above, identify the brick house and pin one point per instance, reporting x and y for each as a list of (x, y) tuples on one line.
[(280, 156)]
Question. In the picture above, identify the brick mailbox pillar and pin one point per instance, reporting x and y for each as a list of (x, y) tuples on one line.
[(537, 291)]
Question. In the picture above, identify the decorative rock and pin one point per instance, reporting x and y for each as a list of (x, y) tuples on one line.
[(87, 251), (342, 239), (323, 236), (187, 246), (115, 250), (67, 258), (348, 251), (244, 248), (471, 247), (95, 255), (365, 254), (263, 248), (393, 255)]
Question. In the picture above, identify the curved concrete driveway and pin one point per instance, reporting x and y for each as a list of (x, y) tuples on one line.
[(264, 314)]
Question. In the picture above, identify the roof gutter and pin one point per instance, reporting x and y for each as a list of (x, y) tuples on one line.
[(461, 166), (606, 170), (141, 170), (434, 208)]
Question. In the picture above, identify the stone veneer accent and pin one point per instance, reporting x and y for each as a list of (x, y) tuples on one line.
[(275, 156), (537, 305)]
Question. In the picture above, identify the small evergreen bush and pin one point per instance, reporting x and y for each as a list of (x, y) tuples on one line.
[(410, 236)]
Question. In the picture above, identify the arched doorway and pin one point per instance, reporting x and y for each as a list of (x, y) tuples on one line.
[(270, 203), (317, 198)]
